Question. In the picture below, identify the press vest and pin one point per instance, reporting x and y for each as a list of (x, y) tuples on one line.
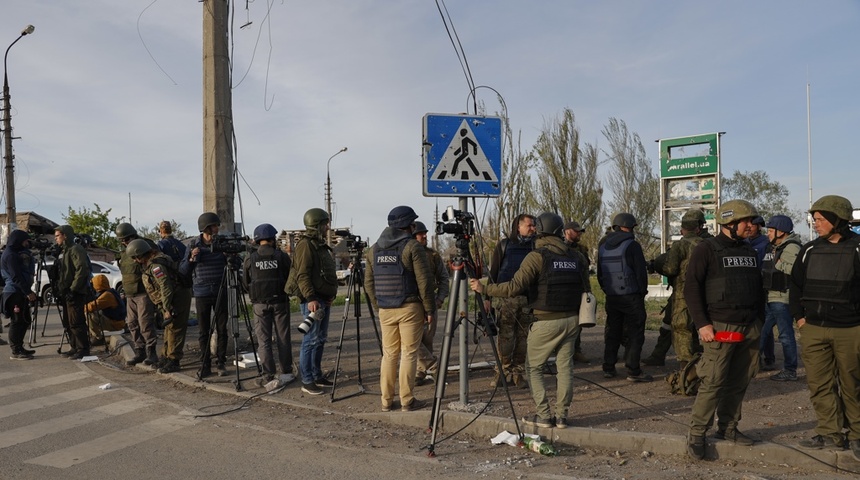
[(393, 283), (514, 253), (559, 287), (616, 274), (830, 272), (736, 282), (773, 279), (267, 281)]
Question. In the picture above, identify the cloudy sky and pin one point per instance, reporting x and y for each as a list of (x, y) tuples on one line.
[(106, 94)]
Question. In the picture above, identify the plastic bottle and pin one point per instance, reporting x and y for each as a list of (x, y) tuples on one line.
[(538, 446)]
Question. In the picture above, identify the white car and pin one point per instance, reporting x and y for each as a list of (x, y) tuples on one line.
[(109, 270)]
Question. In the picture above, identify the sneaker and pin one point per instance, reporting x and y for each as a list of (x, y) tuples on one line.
[(734, 436), (820, 441), (561, 422), (653, 361), (784, 376), (68, 353), (169, 367), (263, 380), (609, 374), (323, 382), (642, 377), (580, 357), (415, 404), (311, 389), (854, 445), (387, 408), (287, 378), (222, 370), (20, 356), (536, 421), (696, 446), (27, 351)]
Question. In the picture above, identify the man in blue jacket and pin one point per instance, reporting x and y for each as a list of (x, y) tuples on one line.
[(16, 266)]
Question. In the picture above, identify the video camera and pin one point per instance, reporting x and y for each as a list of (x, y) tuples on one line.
[(353, 242), (44, 246), (456, 222), (230, 243)]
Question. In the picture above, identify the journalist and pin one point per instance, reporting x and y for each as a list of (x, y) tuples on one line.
[(73, 284), (16, 266), (140, 311)]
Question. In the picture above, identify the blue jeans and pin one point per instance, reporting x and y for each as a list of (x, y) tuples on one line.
[(310, 355), (777, 313)]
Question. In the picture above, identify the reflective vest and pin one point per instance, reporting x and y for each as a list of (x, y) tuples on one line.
[(773, 279), (736, 282), (267, 279), (514, 253), (616, 275), (393, 283), (830, 272), (559, 287)]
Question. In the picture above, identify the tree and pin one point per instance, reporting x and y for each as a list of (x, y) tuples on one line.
[(635, 187), (96, 224), (769, 197)]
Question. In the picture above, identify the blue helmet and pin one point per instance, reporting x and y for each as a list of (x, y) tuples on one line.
[(781, 222), (401, 217), (265, 231)]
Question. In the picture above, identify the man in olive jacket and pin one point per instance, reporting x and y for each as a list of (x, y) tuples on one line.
[(73, 286)]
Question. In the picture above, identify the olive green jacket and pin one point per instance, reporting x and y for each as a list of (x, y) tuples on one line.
[(132, 272), (313, 275), (440, 273), (677, 259), (75, 270), (160, 278)]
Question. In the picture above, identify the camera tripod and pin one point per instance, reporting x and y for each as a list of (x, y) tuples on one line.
[(233, 293), (463, 267), (42, 266), (355, 285)]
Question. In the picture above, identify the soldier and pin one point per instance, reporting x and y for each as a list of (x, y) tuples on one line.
[(73, 286), (162, 282), (723, 294), (776, 271), (825, 300), (426, 360), (513, 316), (572, 236), (401, 286), (553, 276), (140, 311), (17, 270)]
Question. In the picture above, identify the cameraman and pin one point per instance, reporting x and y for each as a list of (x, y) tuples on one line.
[(139, 309), (426, 360), (401, 287), (265, 272), (73, 285), (16, 265), (206, 269)]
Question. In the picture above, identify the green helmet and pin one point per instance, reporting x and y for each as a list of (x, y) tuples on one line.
[(693, 218), (420, 228), (125, 230), (315, 217), (839, 206), (137, 247), (206, 220), (735, 210)]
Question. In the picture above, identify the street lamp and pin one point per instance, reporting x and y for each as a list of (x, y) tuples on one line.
[(328, 194), (11, 221)]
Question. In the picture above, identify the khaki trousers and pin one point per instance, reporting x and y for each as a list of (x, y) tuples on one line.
[(401, 334)]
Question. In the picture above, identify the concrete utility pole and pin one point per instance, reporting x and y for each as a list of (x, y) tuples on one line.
[(217, 115)]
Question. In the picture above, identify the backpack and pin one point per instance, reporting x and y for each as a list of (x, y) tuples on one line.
[(685, 381), (119, 311)]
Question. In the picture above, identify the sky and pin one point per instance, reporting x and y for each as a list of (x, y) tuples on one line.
[(107, 95)]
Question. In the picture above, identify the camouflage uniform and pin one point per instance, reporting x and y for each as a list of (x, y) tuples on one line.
[(677, 259), (161, 280)]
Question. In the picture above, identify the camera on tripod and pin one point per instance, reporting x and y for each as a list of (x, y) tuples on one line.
[(231, 243), (44, 246), (309, 321), (354, 244), (456, 222)]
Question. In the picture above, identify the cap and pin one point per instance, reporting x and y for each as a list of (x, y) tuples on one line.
[(573, 226)]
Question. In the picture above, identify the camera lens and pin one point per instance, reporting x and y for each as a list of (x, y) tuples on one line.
[(308, 322)]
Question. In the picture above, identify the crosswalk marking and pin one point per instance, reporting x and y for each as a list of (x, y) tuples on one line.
[(50, 400), (78, 419), (86, 451), (45, 382)]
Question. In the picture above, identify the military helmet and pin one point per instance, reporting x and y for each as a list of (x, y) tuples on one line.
[(548, 223), (693, 218), (624, 219), (265, 231), (839, 206), (758, 220), (315, 217), (125, 230), (420, 228), (207, 220), (137, 247), (401, 217), (735, 210), (782, 223)]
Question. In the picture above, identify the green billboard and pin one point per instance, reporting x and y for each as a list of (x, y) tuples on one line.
[(690, 156)]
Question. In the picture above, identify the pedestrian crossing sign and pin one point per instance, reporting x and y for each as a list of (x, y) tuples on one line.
[(462, 156)]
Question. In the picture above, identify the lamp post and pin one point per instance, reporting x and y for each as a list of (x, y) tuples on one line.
[(328, 194), (11, 220)]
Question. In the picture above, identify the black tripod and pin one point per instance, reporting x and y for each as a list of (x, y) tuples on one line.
[(42, 266), (463, 267), (354, 289)]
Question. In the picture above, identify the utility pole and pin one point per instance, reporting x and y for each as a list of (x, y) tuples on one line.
[(217, 115)]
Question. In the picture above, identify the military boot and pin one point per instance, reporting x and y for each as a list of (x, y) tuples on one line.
[(658, 355), (151, 356), (139, 356)]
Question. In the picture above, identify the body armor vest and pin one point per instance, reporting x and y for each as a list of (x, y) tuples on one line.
[(514, 254), (830, 274), (559, 287), (267, 281), (617, 276), (393, 283), (773, 279), (736, 282)]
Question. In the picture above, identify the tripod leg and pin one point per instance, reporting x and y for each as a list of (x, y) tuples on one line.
[(346, 304), (444, 357)]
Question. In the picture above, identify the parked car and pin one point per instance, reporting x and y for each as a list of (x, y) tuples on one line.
[(109, 270)]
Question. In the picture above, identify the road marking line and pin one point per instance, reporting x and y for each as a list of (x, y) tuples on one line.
[(128, 437), (45, 382), (49, 400), (41, 429)]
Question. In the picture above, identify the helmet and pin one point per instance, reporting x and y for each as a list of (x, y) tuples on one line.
[(125, 230), (401, 217), (420, 228), (315, 217), (624, 220), (265, 232), (839, 206), (137, 247), (735, 210), (693, 218), (207, 220), (549, 223), (758, 220), (781, 223)]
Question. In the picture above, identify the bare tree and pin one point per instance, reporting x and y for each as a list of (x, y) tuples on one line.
[(770, 197), (635, 187)]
